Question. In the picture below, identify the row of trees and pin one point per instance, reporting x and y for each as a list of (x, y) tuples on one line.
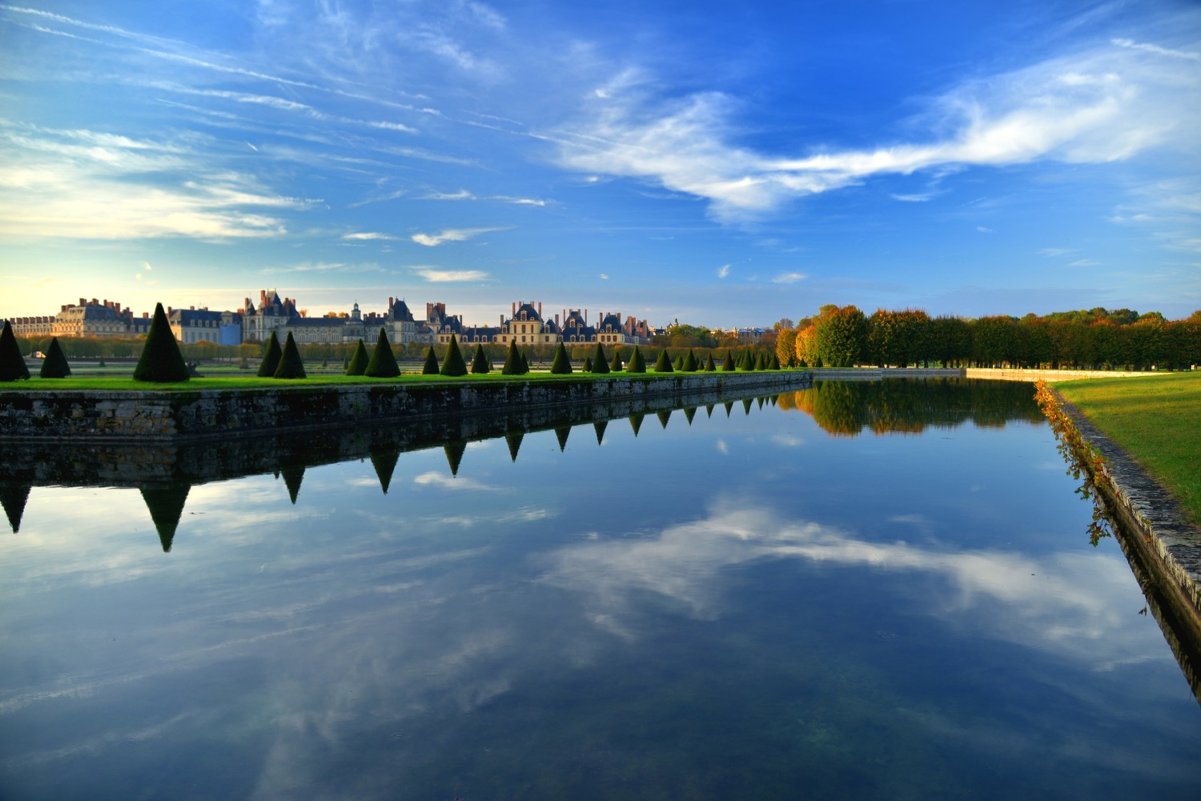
[(1094, 340)]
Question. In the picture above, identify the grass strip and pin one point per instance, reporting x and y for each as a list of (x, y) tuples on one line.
[(1156, 419)]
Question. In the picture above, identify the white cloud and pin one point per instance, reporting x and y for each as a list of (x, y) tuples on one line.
[(788, 278), (450, 276), (1055, 252), (451, 235), (1099, 106), (604, 276), (1084, 263), (723, 271), (984, 229), (367, 236), (1157, 50), (913, 198), (443, 481)]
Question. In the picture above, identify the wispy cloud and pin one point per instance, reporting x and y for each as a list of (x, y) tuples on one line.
[(1084, 263), (451, 235), (788, 278), (913, 198), (436, 276), (464, 194), (1098, 106), (367, 236), (1187, 55), (1055, 252), (324, 267), (723, 271), (443, 481)]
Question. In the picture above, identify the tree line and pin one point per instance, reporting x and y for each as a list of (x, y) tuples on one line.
[(1097, 339)]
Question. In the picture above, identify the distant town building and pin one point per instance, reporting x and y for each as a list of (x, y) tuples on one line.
[(201, 325), (88, 318), (526, 327)]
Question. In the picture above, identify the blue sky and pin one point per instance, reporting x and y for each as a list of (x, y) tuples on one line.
[(723, 164)]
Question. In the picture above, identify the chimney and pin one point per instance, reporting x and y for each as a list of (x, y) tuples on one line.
[(585, 317), (145, 315), (557, 321), (514, 312), (539, 308), (192, 308), (391, 301), (502, 319), (83, 301)]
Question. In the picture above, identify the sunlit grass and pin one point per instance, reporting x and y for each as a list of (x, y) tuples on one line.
[(1156, 419)]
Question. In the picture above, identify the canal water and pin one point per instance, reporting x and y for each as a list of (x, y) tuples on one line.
[(856, 591)]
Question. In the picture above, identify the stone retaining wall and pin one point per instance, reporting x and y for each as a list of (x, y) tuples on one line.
[(141, 416)]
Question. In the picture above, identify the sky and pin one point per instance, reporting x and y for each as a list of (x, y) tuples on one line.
[(720, 164)]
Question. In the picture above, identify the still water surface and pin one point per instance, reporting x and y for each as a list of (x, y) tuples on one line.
[(847, 592)]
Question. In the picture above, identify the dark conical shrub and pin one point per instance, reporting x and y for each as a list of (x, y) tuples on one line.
[(690, 412), (271, 357), (454, 454), (600, 426), (290, 363), (664, 415), (293, 476), (383, 361), (663, 363), (587, 364), (637, 362), (599, 363), (359, 361), (454, 365), (513, 364), (13, 498), (384, 461), (690, 365), (709, 365), (774, 364), (678, 363), (513, 440), (479, 364), (161, 360), (760, 362), (615, 365), (728, 365), (561, 364), (561, 434), (12, 363), (55, 365), (636, 419), (431, 362), (525, 363)]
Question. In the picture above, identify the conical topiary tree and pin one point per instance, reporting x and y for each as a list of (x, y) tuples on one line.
[(525, 363), (290, 364), (663, 363), (431, 362), (774, 364), (359, 361), (637, 362), (561, 364), (760, 361), (690, 365), (55, 364), (710, 367), (587, 364), (678, 363), (479, 364), (599, 363), (615, 365), (513, 364), (383, 361), (453, 364), (12, 363), (271, 357), (161, 360), (728, 364)]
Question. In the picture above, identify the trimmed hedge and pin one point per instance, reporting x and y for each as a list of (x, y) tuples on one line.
[(55, 365), (690, 365), (599, 363), (663, 364), (383, 360), (637, 362), (513, 362), (290, 364), (480, 364), (431, 362), (271, 357), (359, 361), (728, 365), (710, 367), (161, 360), (454, 365), (561, 364), (615, 365), (12, 363)]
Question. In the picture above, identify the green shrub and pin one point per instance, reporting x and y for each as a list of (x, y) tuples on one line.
[(663, 363), (290, 364), (637, 363), (599, 363), (55, 364), (728, 365), (479, 364), (161, 360), (383, 360), (561, 364), (587, 364), (678, 363), (431, 362), (454, 365), (615, 365), (359, 361), (525, 363), (513, 363), (271, 357), (775, 362), (690, 365), (710, 367)]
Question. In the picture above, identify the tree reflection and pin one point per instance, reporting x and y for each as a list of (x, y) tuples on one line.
[(847, 408), (166, 504), (13, 497)]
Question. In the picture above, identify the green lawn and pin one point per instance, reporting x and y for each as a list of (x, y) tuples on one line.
[(1156, 419)]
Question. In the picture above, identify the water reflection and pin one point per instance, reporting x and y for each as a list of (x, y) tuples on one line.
[(910, 406), (802, 616)]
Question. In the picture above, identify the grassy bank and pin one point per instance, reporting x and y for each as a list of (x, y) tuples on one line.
[(1156, 419)]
